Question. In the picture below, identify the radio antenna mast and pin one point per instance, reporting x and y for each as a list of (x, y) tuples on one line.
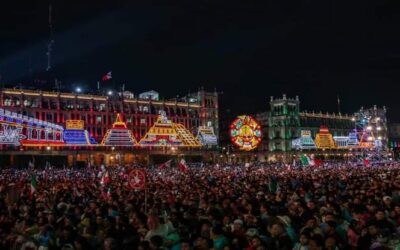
[(51, 40)]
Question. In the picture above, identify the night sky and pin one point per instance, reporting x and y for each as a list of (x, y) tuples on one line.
[(249, 50)]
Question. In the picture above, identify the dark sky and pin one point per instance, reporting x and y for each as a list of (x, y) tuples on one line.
[(250, 50)]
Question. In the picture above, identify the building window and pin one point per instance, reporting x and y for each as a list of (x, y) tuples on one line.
[(49, 117), (7, 102), (143, 121), (209, 124), (27, 103), (98, 119), (69, 106), (102, 107)]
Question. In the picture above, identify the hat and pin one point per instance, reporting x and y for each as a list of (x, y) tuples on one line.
[(285, 219), (238, 222), (251, 232), (387, 198)]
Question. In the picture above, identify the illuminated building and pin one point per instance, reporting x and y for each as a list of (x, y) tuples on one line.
[(366, 129), (99, 112), (286, 123)]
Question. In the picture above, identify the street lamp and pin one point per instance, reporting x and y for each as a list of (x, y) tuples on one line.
[(109, 92), (78, 89)]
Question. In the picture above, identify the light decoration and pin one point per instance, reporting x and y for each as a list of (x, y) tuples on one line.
[(207, 136), (353, 140), (75, 134), (341, 141), (305, 141), (17, 129), (11, 136), (119, 135), (166, 133), (245, 133), (324, 139)]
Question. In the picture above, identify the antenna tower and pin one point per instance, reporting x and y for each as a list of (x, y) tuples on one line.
[(51, 40)]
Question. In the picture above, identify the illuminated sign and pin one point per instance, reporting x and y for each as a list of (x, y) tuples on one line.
[(11, 136), (206, 136), (304, 142), (245, 133), (324, 139), (75, 124)]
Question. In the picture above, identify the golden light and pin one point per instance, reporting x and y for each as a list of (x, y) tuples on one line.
[(245, 133)]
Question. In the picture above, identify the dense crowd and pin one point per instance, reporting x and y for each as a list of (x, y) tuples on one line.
[(336, 206)]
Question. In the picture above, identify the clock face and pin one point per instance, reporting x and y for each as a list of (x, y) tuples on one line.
[(245, 133)]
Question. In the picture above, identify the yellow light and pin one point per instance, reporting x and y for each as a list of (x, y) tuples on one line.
[(67, 96)]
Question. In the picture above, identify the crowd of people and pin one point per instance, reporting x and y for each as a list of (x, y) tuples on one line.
[(221, 207)]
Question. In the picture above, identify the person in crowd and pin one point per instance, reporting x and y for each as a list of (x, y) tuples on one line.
[(338, 205)]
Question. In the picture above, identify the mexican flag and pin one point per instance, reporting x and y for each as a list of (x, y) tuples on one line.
[(306, 161), (182, 166), (105, 179), (33, 184), (166, 164)]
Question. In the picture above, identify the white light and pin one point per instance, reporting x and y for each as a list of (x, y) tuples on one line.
[(369, 128), (353, 119), (113, 148), (378, 119), (370, 138), (109, 92), (48, 148), (78, 90), (379, 137), (378, 128)]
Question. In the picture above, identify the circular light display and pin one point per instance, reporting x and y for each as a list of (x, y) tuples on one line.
[(245, 133)]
